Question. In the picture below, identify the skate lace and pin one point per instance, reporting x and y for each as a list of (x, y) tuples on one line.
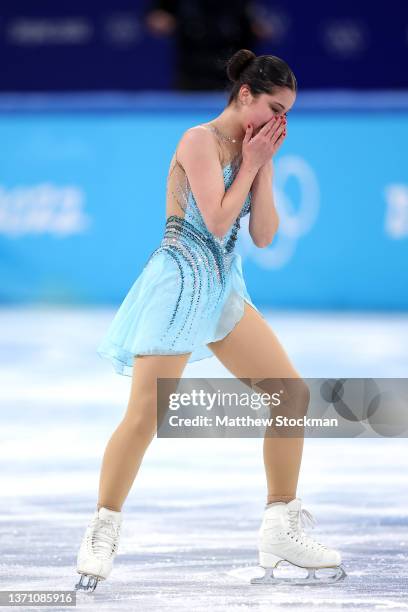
[(104, 538), (299, 519), (307, 517)]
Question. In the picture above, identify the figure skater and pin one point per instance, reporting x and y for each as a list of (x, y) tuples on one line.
[(191, 302)]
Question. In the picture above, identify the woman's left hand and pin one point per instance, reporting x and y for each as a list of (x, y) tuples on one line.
[(268, 165)]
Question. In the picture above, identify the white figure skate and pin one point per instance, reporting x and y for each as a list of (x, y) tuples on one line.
[(98, 548), (281, 540)]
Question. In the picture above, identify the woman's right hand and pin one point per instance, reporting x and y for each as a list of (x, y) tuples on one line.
[(258, 149)]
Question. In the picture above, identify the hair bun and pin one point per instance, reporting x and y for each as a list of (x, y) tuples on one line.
[(238, 62)]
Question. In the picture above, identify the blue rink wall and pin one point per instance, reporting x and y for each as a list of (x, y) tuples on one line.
[(82, 198)]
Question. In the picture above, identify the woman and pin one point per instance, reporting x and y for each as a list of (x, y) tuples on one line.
[(190, 302)]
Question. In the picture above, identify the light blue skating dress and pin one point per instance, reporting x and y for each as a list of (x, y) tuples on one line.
[(191, 290)]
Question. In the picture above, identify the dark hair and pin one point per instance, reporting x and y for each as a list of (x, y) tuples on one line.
[(261, 73)]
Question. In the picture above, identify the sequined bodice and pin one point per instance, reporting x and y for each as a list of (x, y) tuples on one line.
[(194, 217)]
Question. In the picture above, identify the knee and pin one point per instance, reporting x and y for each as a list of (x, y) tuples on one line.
[(142, 418), (304, 397), (296, 404), (294, 395), (141, 427)]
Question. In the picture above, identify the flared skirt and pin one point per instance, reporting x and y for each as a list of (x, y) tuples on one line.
[(166, 312)]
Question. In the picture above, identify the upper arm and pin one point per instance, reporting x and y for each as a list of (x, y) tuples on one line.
[(198, 154)]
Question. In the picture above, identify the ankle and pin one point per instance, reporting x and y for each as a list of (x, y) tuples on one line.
[(99, 506), (272, 499)]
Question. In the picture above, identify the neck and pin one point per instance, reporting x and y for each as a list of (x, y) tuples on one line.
[(229, 124)]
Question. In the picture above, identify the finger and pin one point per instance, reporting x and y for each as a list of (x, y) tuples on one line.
[(268, 125), (275, 126), (277, 133), (248, 133), (279, 142)]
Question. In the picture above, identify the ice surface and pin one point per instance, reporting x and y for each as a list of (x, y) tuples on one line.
[(191, 518)]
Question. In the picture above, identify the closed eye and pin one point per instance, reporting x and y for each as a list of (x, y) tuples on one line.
[(278, 110)]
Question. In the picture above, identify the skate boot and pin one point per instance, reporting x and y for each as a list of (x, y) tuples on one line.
[(98, 548), (281, 540)]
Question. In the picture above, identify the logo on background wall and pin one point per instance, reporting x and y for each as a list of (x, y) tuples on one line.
[(42, 209), (396, 217), (297, 200)]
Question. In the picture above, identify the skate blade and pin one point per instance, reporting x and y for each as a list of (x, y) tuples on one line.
[(309, 579), (87, 586)]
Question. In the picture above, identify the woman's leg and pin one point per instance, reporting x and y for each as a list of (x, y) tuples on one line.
[(124, 452), (252, 350)]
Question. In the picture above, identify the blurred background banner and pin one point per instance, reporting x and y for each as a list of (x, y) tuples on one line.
[(82, 204), (95, 96), (139, 44)]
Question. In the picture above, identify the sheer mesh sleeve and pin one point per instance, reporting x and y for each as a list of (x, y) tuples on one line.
[(178, 188)]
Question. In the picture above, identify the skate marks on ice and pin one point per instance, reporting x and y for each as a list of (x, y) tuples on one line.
[(190, 524), (188, 553)]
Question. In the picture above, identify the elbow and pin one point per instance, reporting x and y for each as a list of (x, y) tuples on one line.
[(219, 233), (215, 228), (262, 241)]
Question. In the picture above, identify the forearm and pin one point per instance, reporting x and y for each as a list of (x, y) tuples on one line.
[(264, 220), (234, 198)]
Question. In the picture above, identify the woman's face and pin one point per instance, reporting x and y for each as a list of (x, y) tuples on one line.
[(260, 109)]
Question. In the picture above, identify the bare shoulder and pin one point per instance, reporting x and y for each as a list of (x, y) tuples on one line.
[(197, 152), (198, 146)]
